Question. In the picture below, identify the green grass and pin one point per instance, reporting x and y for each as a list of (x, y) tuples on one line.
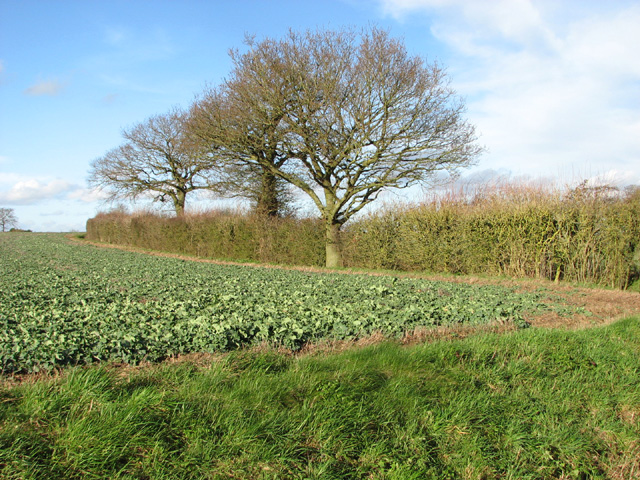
[(530, 404)]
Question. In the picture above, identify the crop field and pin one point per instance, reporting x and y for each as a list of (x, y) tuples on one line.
[(504, 403), (63, 303)]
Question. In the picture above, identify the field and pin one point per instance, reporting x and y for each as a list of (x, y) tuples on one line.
[(153, 367), (65, 303)]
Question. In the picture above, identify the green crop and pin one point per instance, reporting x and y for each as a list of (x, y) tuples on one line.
[(65, 303)]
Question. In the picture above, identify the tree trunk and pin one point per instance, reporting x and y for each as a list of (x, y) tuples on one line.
[(268, 203), (334, 255), (179, 202)]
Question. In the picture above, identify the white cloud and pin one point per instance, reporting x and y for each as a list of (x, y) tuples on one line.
[(57, 213), (462, 23), (28, 192), (614, 178), (9, 178), (49, 204), (551, 86), (16, 189), (45, 87), (87, 195), (37, 192)]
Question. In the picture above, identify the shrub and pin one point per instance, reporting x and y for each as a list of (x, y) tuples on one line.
[(585, 234)]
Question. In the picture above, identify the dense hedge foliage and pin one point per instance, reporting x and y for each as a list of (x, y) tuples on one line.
[(67, 303), (230, 236), (589, 235)]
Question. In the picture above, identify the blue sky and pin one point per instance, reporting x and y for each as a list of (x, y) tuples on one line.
[(553, 88)]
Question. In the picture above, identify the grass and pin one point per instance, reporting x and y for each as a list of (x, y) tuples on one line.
[(529, 404)]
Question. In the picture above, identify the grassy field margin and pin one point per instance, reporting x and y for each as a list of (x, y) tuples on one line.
[(530, 404)]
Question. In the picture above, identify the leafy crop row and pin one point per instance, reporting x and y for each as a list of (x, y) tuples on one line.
[(66, 303)]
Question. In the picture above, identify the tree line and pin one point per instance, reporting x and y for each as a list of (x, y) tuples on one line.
[(340, 115)]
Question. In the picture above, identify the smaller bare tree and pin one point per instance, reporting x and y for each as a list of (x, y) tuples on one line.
[(8, 218), (158, 157), (239, 125)]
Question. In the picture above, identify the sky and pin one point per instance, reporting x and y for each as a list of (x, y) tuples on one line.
[(553, 88)]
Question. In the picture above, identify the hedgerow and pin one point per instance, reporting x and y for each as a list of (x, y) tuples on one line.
[(586, 234)]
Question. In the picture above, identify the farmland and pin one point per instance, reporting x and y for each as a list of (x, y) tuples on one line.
[(64, 303), (526, 403)]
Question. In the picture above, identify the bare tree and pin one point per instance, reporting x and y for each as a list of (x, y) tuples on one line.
[(8, 218), (242, 124), (158, 157), (355, 115)]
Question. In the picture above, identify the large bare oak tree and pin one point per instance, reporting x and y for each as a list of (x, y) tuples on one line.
[(158, 158), (351, 113)]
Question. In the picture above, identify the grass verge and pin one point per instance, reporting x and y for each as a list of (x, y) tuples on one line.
[(529, 404)]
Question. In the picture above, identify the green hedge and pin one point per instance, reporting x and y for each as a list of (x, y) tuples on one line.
[(586, 235), (591, 238), (247, 238)]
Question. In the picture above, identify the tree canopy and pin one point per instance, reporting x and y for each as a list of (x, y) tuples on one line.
[(341, 115), (346, 115), (159, 158), (237, 138)]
